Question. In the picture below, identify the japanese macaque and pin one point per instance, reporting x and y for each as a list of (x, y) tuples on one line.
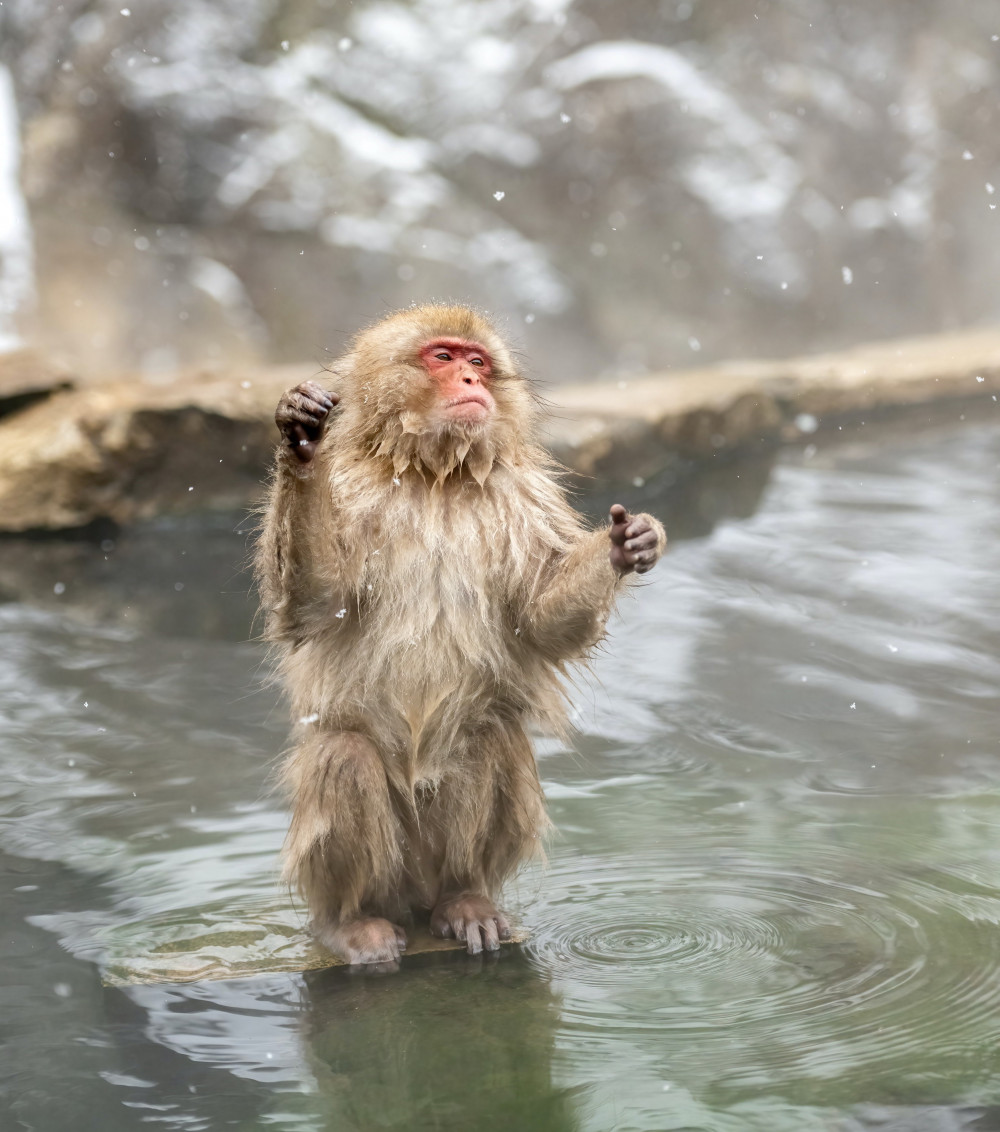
[(425, 584)]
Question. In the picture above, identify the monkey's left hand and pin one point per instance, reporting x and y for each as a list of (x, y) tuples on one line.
[(637, 541)]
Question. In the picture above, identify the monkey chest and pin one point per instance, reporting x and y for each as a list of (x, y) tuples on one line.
[(424, 591)]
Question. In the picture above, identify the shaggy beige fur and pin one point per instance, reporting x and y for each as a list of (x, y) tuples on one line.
[(424, 585)]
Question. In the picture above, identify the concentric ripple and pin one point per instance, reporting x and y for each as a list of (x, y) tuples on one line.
[(783, 960)]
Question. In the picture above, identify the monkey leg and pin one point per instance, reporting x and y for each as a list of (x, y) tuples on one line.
[(488, 816), (343, 850)]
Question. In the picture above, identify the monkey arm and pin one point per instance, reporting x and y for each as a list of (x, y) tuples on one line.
[(566, 614), (573, 596), (293, 552), (299, 556)]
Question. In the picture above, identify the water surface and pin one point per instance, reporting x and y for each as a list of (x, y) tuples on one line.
[(772, 902)]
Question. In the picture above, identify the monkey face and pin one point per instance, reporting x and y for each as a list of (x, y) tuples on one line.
[(461, 370)]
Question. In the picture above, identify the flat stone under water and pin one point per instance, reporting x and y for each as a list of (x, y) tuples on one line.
[(773, 898)]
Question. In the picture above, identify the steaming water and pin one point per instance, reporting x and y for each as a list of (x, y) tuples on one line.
[(772, 903)]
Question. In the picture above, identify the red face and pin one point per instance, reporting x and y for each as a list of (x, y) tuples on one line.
[(462, 370)]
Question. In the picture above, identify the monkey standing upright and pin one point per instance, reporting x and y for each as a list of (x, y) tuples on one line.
[(425, 583)]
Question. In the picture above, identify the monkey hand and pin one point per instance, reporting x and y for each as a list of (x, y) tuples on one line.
[(301, 417), (637, 541)]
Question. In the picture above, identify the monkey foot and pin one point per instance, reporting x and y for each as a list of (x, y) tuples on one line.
[(472, 919), (367, 940)]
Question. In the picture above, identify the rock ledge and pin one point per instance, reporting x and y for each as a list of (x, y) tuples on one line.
[(126, 450)]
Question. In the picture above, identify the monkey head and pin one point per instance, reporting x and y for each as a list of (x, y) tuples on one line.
[(435, 388)]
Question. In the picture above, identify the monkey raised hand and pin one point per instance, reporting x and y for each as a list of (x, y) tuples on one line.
[(301, 416), (637, 541)]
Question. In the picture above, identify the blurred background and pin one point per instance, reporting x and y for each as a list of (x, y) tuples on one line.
[(627, 186)]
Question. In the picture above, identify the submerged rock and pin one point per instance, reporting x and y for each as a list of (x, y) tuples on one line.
[(233, 942)]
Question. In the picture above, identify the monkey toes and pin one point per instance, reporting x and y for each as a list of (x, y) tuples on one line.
[(472, 919), (369, 940)]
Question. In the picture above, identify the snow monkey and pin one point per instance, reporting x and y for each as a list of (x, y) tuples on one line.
[(425, 583)]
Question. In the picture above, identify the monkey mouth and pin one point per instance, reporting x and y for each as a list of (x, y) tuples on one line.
[(474, 406)]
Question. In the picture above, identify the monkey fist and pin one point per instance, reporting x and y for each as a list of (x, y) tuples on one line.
[(637, 541), (301, 416)]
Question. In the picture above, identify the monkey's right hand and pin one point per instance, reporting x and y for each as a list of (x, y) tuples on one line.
[(301, 417)]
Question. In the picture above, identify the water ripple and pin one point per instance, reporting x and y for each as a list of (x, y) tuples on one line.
[(861, 964)]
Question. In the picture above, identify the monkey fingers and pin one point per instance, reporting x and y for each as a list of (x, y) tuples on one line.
[(307, 404), (316, 391), (640, 546), (620, 520)]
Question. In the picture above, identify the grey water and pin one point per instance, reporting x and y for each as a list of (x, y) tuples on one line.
[(772, 902)]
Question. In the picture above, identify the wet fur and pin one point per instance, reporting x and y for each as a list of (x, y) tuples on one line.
[(424, 585)]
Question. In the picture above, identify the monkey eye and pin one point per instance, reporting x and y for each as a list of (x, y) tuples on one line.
[(443, 357), (476, 361)]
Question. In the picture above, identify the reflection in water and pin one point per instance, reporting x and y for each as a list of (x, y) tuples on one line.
[(176, 577), (773, 901), (457, 1043), (691, 499)]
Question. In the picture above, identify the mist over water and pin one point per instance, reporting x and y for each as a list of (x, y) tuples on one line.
[(771, 903)]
